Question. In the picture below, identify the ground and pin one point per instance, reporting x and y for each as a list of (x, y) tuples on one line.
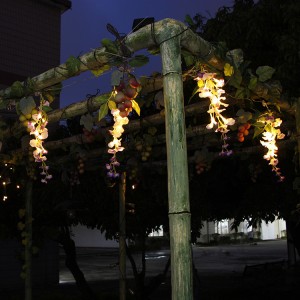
[(246, 271)]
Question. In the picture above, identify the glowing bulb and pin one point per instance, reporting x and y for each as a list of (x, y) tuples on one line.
[(4, 198), (4, 183), (133, 186), (18, 186)]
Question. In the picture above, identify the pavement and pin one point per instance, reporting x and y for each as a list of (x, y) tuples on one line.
[(252, 271), (244, 271)]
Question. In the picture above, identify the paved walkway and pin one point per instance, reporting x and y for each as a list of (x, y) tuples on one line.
[(221, 271)]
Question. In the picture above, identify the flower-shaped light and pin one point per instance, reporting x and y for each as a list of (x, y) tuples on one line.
[(37, 127), (269, 138), (211, 87), (115, 145)]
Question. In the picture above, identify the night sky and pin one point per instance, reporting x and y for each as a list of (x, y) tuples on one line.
[(84, 26)]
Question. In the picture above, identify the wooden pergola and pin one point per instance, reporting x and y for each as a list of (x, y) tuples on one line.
[(171, 37)]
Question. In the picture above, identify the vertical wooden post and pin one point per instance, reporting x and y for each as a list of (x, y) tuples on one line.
[(178, 188), (122, 249), (28, 245)]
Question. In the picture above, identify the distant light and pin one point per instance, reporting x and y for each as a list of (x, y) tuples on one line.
[(4, 198), (5, 165), (18, 186), (4, 183), (133, 186)]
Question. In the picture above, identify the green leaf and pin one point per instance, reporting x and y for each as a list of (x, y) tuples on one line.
[(240, 93), (236, 56), (154, 50), (116, 77), (188, 58), (17, 89), (103, 111), (26, 105), (73, 65), (110, 46), (257, 131), (111, 104), (252, 83), (236, 79), (87, 121), (189, 20), (46, 108), (138, 61), (264, 73)]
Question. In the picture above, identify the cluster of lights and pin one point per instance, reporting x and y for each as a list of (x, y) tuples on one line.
[(5, 182), (115, 145), (269, 136), (37, 128), (211, 87)]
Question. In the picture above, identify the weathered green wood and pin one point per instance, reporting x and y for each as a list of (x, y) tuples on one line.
[(178, 188), (122, 247), (28, 245)]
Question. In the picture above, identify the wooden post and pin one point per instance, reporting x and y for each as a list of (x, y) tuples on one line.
[(28, 245), (178, 188), (122, 247)]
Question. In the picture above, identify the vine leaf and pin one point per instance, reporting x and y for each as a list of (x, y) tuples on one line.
[(138, 61), (136, 107), (73, 65), (236, 56), (87, 121), (17, 89), (110, 46), (26, 105), (111, 104), (103, 111), (264, 73), (116, 77)]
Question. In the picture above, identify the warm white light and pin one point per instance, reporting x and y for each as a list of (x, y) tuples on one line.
[(4, 198)]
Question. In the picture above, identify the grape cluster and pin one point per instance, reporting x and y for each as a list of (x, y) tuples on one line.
[(243, 131), (24, 119), (125, 93), (144, 149), (89, 135)]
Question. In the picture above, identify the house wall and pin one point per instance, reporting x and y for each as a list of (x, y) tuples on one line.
[(268, 231), (86, 237), (29, 38), (45, 266)]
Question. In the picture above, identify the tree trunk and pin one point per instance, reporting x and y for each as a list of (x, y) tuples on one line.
[(71, 263)]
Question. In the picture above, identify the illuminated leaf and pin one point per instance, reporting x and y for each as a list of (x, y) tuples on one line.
[(26, 105), (111, 104), (97, 72), (228, 70), (257, 131), (136, 107), (103, 111)]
